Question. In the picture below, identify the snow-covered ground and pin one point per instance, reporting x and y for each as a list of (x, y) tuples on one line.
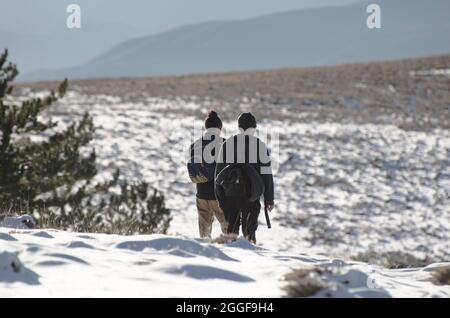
[(341, 190), (50, 263)]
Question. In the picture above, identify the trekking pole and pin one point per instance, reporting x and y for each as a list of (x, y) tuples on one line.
[(266, 212)]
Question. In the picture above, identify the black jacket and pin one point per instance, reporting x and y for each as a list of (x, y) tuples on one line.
[(247, 149), (212, 139)]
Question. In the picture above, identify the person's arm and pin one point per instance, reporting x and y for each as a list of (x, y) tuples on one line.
[(220, 165), (265, 166), (220, 160), (269, 191)]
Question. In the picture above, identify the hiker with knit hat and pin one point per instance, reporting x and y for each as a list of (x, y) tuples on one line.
[(243, 175), (201, 168)]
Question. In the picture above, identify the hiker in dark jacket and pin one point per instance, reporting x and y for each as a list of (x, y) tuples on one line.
[(244, 151), (208, 147)]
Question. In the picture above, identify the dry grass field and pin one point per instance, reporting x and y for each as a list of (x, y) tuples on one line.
[(413, 94)]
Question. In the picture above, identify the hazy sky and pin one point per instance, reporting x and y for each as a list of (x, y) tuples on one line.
[(146, 16)]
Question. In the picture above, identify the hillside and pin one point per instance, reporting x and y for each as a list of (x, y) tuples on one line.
[(38, 37), (322, 36)]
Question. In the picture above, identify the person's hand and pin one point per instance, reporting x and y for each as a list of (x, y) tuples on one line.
[(270, 206)]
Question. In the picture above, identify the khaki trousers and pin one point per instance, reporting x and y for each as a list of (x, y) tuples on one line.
[(207, 209)]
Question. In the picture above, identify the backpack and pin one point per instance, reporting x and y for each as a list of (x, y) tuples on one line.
[(234, 183), (239, 180), (200, 171)]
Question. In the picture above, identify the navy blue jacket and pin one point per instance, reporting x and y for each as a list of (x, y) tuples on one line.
[(212, 139)]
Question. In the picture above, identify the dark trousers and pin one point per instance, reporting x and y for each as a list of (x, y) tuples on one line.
[(238, 212)]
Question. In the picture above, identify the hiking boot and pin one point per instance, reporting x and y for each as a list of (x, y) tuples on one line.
[(251, 238), (226, 238)]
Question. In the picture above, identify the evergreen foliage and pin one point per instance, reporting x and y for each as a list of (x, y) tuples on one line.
[(53, 177)]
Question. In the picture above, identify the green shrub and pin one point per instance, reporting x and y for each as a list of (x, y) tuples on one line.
[(52, 180)]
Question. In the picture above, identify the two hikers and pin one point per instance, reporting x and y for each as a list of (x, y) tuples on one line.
[(231, 176)]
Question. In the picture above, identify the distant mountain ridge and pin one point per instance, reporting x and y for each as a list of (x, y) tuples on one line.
[(307, 37)]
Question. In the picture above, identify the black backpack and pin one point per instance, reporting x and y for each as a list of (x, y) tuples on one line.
[(235, 183), (242, 181)]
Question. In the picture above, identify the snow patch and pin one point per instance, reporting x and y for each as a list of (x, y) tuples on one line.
[(18, 222), (431, 72), (177, 247), (12, 270)]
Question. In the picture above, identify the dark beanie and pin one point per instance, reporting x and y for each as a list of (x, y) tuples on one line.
[(246, 121), (212, 120)]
